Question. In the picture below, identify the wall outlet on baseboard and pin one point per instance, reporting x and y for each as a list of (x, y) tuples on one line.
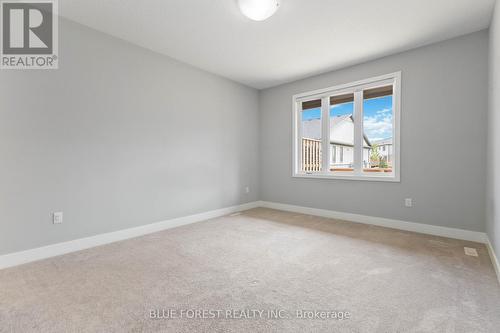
[(247, 189), (408, 202), (57, 217)]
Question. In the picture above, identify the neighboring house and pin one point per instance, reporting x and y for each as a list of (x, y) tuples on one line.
[(341, 140), (384, 148)]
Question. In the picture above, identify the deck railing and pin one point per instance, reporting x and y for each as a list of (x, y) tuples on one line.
[(311, 159), (311, 155)]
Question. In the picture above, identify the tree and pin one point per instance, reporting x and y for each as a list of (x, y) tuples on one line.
[(374, 156), (383, 163)]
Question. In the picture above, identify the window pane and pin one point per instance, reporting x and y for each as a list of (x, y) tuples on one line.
[(311, 136), (378, 130), (341, 133)]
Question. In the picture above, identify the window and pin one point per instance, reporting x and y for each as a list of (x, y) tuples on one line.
[(349, 131), (341, 110), (310, 129)]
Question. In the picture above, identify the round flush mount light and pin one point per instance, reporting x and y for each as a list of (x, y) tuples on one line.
[(259, 10)]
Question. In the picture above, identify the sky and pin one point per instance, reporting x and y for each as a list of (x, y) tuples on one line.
[(377, 116)]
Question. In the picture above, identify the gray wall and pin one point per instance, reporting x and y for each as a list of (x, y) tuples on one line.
[(443, 139), (118, 137), (493, 200)]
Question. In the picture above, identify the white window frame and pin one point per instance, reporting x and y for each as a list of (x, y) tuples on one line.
[(356, 88)]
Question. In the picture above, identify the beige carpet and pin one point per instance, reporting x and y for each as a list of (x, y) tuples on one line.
[(388, 281)]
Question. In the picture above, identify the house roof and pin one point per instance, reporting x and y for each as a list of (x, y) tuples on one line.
[(312, 129), (382, 142)]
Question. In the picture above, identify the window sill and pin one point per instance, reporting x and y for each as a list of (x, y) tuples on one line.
[(371, 177)]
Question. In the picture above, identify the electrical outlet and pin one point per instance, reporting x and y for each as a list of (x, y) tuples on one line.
[(408, 202), (247, 189), (57, 218)]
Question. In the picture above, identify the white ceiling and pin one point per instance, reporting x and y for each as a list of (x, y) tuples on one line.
[(305, 37)]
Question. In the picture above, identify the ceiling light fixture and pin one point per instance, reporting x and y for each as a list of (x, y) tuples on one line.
[(258, 10)]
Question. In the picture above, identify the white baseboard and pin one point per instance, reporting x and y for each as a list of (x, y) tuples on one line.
[(473, 236), (18, 258), (462, 234), (494, 259)]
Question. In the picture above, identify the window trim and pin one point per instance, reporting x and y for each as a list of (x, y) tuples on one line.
[(356, 87)]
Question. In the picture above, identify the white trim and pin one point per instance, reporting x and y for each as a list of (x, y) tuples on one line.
[(341, 87), (356, 88), (325, 133), (297, 134), (347, 176), (396, 126), (494, 258), (18, 258), (23, 257), (359, 139), (462, 234)]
